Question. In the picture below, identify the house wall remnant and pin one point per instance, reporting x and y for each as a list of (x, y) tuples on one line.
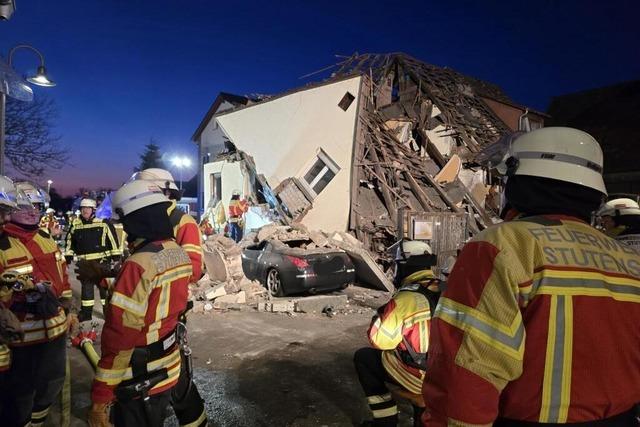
[(308, 136), (232, 177)]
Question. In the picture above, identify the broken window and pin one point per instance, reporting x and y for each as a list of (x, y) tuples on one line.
[(346, 101), (320, 174), (216, 186)]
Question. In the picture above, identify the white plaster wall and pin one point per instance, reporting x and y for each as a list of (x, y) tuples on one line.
[(284, 136), (232, 179)]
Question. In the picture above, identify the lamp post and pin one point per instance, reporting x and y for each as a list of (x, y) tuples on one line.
[(180, 163), (40, 79), (49, 182)]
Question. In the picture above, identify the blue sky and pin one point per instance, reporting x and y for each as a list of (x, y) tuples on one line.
[(129, 70)]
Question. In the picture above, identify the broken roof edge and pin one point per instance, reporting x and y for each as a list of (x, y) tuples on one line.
[(222, 96), (518, 106), (308, 86)]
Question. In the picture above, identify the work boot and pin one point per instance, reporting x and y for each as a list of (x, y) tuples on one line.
[(84, 315)]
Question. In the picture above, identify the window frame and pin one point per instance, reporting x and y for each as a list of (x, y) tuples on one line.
[(329, 165)]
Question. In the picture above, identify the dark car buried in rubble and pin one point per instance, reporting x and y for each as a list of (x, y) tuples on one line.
[(286, 268)]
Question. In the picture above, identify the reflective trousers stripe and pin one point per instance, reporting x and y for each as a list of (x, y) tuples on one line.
[(556, 387)]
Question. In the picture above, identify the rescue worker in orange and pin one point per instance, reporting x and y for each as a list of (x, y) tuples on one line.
[(10, 328), (50, 224), (41, 299), (237, 208), (185, 400), (539, 321), (140, 357)]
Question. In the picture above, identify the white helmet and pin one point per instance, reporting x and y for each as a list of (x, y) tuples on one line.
[(7, 193), (136, 195), (620, 207), (50, 211), (559, 153), (161, 177), (235, 193), (88, 203), (32, 193), (415, 248)]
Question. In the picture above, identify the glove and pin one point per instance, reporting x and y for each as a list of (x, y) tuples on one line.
[(73, 324), (10, 327), (99, 415), (92, 271)]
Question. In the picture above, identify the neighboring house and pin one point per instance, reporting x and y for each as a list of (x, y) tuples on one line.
[(382, 135), (611, 115), (210, 140)]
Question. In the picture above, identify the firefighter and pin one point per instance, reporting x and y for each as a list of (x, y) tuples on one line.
[(399, 335), (539, 321), (41, 299), (9, 324), (621, 220), (50, 224), (91, 240), (185, 400), (140, 358), (237, 208)]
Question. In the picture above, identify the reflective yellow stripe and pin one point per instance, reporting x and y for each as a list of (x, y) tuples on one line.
[(553, 282), (508, 339), (386, 412), (87, 302), (556, 386), (22, 269), (396, 369), (40, 414), (192, 248), (115, 376), (129, 304), (200, 420), (98, 255), (380, 398), (66, 294)]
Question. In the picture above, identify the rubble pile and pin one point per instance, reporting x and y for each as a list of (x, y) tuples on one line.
[(224, 286)]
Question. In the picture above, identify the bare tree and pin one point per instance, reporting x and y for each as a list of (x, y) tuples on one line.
[(31, 145)]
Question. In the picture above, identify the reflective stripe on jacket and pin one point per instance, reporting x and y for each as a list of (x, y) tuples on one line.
[(406, 314), (539, 323), (36, 254), (149, 294), (93, 239), (5, 358), (237, 208), (187, 235)]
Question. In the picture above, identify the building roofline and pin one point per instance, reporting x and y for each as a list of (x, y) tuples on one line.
[(222, 96)]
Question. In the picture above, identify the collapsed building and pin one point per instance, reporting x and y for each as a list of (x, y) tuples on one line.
[(384, 148)]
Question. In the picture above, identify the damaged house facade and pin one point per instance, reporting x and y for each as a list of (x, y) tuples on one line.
[(384, 148)]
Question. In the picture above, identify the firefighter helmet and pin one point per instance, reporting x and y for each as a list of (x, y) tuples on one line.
[(235, 193), (88, 203), (161, 177), (50, 211), (7, 193), (136, 195), (411, 248), (31, 193), (559, 153), (620, 207)]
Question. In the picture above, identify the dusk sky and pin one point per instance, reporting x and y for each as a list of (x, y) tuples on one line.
[(130, 70)]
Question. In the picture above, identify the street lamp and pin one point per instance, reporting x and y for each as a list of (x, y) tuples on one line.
[(7, 87), (181, 162), (49, 182)]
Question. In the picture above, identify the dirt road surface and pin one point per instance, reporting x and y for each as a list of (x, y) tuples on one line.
[(264, 369)]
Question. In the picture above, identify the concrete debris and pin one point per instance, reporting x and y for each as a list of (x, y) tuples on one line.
[(318, 303), (215, 292)]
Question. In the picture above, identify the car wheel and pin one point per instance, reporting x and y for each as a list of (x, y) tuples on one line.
[(274, 283)]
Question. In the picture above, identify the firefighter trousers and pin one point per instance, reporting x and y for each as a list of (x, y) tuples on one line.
[(129, 413), (87, 297), (372, 377), (33, 382), (186, 401)]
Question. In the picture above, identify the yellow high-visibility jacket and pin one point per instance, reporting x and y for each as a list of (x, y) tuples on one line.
[(407, 315)]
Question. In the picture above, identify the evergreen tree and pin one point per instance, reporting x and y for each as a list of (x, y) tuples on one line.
[(151, 158)]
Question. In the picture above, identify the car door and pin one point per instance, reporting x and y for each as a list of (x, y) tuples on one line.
[(250, 260), (263, 260)]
